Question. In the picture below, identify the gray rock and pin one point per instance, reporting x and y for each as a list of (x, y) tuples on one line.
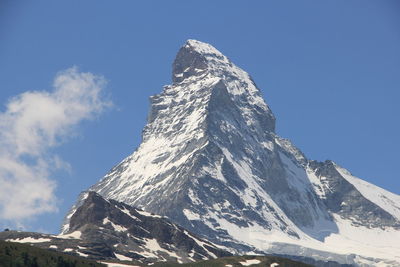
[(106, 229)]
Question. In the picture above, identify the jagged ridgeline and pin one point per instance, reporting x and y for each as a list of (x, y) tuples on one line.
[(211, 161), (106, 230)]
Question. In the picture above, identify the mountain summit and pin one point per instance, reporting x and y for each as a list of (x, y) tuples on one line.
[(210, 161), (197, 60)]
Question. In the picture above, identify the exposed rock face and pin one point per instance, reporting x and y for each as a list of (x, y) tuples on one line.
[(210, 160), (137, 234), (106, 229), (343, 198)]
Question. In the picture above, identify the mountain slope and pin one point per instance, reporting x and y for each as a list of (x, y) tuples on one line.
[(14, 254), (106, 229), (210, 160), (240, 261)]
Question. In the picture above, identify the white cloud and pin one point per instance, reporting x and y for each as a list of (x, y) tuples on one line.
[(34, 122)]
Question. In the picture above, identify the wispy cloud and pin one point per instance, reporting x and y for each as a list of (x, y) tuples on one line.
[(32, 124)]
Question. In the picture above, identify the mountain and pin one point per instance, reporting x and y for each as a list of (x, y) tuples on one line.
[(103, 229), (15, 254), (211, 161)]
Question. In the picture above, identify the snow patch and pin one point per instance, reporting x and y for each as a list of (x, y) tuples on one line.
[(127, 212), (152, 249), (82, 254), (112, 264), (268, 145), (73, 235), (29, 240), (122, 257), (191, 215), (250, 262), (201, 244), (148, 214)]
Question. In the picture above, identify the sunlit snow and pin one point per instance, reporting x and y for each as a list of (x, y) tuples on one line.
[(29, 240)]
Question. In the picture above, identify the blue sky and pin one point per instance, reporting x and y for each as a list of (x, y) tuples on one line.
[(330, 71)]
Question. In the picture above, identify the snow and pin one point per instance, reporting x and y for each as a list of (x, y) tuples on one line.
[(254, 235), (148, 214), (122, 257), (68, 250), (268, 145), (377, 243), (82, 254), (29, 240), (184, 104), (117, 227), (250, 262), (157, 154), (191, 215), (152, 249), (199, 242), (203, 48), (127, 212), (366, 242), (202, 244), (73, 235), (287, 145), (249, 196), (53, 246), (152, 244), (215, 171), (386, 200), (297, 176), (274, 264), (112, 264), (193, 197), (318, 186)]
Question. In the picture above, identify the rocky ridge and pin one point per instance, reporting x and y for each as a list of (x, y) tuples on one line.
[(103, 229)]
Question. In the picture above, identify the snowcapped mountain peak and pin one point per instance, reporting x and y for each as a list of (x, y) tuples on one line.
[(198, 64), (204, 49), (195, 59), (210, 160)]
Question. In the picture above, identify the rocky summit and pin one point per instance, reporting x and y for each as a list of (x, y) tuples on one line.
[(211, 161)]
